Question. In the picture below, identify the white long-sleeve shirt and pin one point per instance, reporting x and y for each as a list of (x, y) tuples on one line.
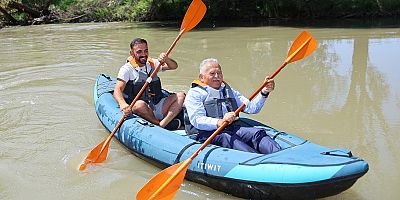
[(194, 103)]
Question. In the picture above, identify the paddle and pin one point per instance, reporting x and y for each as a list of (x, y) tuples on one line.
[(193, 16), (167, 182)]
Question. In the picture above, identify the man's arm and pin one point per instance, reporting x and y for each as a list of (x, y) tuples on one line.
[(118, 91), (258, 102), (169, 63)]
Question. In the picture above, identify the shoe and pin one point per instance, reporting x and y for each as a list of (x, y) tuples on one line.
[(173, 125)]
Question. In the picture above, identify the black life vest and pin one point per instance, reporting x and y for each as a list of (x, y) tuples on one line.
[(153, 93)]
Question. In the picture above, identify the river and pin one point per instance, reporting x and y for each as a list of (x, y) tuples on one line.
[(346, 94)]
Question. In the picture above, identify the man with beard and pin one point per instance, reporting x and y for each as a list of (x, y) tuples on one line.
[(153, 105)]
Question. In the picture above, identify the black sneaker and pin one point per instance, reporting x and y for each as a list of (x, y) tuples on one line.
[(173, 125)]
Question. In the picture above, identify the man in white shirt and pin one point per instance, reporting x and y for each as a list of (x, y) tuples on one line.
[(153, 104), (211, 102)]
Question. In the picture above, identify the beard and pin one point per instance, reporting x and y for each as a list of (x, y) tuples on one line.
[(142, 60)]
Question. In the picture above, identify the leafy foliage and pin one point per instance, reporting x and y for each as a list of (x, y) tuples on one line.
[(144, 10)]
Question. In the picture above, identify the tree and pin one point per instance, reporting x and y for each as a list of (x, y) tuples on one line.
[(26, 11)]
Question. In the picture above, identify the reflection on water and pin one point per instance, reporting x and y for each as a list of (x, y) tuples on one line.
[(345, 94)]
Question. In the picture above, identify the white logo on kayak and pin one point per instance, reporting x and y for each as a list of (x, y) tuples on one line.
[(209, 166)]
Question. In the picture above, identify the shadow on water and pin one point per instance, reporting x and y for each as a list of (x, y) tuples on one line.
[(334, 23)]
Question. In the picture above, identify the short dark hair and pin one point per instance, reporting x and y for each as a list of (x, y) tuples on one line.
[(138, 41)]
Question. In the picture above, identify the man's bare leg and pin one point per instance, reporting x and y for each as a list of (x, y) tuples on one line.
[(171, 108), (142, 109)]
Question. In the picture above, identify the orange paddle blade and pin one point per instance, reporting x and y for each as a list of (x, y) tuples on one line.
[(303, 46), (97, 155), (193, 15), (165, 184)]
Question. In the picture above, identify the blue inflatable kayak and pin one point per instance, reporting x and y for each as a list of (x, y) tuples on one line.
[(301, 170)]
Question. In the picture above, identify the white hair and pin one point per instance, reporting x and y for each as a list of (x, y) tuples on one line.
[(207, 61)]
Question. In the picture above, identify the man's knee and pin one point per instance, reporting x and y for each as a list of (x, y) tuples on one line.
[(180, 96), (224, 140), (267, 145), (177, 100), (260, 133), (141, 107)]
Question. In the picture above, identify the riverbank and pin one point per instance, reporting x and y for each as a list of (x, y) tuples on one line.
[(345, 94), (17, 12)]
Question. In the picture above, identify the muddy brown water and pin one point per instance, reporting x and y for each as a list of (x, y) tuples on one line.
[(346, 94)]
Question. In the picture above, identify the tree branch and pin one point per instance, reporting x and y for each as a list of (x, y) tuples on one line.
[(23, 8), (8, 17)]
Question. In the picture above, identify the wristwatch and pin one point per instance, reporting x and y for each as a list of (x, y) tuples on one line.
[(264, 95)]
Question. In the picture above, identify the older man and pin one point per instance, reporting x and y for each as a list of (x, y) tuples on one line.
[(210, 102)]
